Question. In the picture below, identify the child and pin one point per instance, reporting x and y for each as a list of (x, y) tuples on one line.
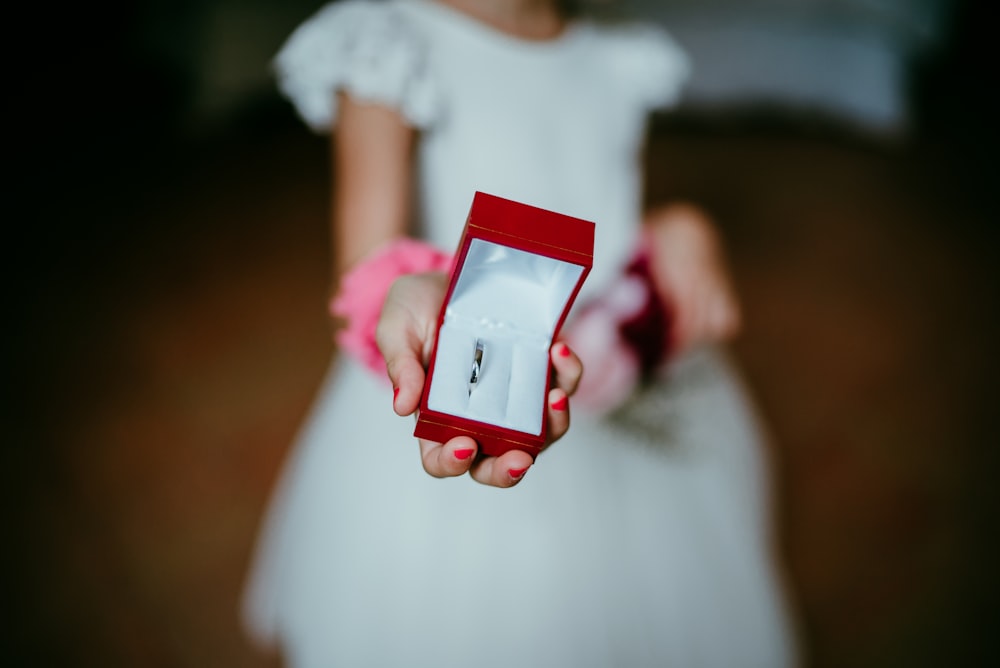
[(643, 537)]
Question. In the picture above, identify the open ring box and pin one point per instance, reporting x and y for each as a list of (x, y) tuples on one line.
[(517, 272)]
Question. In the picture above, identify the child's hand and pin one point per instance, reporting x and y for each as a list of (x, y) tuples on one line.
[(690, 271), (405, 335)]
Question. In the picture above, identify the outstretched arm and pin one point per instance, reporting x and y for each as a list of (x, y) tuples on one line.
[(372, 147)]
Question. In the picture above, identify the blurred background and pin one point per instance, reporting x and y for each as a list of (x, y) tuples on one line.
[(166, 274)]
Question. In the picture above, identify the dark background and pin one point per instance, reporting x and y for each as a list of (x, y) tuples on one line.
[(164, 330)]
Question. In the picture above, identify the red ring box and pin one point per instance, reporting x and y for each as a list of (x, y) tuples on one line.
[(518, 270)]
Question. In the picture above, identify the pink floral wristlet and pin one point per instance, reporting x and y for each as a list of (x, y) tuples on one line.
[(363, 290), (623, 336)]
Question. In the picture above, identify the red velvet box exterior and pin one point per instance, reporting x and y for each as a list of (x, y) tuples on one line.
[(526, 228)]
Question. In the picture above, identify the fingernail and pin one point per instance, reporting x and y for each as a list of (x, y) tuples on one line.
[(464, 453), (559, 404), (516, 474), (563, 350)]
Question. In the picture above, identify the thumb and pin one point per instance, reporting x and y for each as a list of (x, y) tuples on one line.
[(401, 348)]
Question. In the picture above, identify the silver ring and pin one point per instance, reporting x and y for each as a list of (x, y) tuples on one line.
[(477, 365)]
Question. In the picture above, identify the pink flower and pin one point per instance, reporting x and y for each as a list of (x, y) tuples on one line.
[(621, 337)]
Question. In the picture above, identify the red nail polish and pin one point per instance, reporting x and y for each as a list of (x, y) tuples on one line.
[(395, 393), (564, 350), (559, 404), (517, 473), (464, 453)]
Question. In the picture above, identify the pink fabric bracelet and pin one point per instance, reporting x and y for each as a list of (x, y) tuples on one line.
[(364, 288)]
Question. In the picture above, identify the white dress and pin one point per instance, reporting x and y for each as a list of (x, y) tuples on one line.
[(638, 540)]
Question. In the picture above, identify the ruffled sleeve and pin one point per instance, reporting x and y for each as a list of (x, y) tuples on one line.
[(368, 49), (652, 65)]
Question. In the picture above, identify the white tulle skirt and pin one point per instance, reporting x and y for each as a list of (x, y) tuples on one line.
[(638, 540)]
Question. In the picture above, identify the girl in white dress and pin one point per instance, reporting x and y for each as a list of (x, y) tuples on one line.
[(642, 538)]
